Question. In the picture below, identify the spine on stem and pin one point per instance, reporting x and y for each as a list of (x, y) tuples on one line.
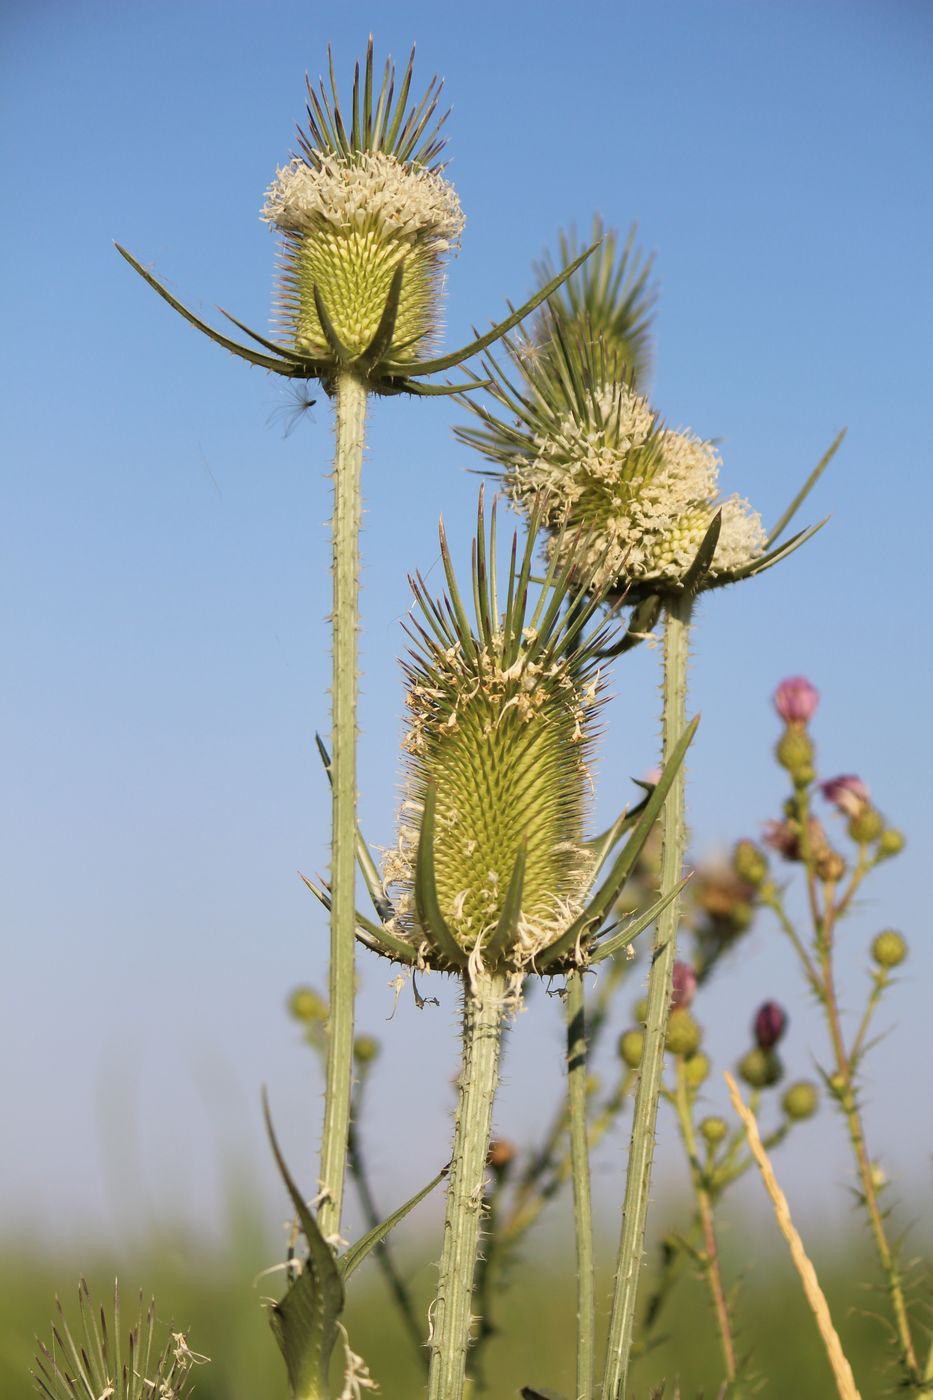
[(484, 1010), (348, 461), (660, 982)]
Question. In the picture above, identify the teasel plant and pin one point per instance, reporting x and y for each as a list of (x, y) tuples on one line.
[(95, 1361), (492, 879), (834, 871), (640, 501), (366, 218)]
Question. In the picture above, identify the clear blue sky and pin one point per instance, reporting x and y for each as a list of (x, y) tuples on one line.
[(164, 550)]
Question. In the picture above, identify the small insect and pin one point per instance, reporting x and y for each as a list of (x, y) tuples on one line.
[(290, 413)]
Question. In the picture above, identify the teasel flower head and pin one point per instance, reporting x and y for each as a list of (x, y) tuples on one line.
[(366, 217), (492, 868), (96, 1360)]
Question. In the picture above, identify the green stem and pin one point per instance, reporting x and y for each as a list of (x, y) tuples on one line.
[(348, 462), (660, 981), (582, 1201), (484, 1005)]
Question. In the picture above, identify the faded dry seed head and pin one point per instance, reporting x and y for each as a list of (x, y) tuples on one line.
[(635, 499), (500, 723), (347, 226)]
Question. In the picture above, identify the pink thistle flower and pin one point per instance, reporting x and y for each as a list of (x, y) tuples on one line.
[(769, 1025), (848, 794), (796, 700), (685, 985)]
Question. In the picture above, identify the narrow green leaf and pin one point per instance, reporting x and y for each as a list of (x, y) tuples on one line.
[(263, 361), (601, 846), (385, 330), (506, 931), (368, 868), (693, 579), (376, 937), (807, 487), (426, 901), (767, 561), (529, 1394), (354, 1256), (475, 346), (339, 350), (287, 354), (631, 931)]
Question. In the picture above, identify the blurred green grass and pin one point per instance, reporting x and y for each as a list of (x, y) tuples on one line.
[(210, 1291)]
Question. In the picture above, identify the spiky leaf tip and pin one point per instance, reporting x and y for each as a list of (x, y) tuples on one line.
[(501, 711), (366, 217)]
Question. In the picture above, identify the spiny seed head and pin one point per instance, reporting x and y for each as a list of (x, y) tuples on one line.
[(501, 715), (636, 498), (683, 1034), (631, 1047), (696, 1070), (714, 1130), (889, 948), (801, 1100), (363, 204), (761, 1069)]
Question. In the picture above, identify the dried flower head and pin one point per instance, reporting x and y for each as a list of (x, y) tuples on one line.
[(636, 499)]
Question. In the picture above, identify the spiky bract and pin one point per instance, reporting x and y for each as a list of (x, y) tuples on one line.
[(366, 217), (611, 298), (501, 713), (636, 498), (98, 1362)]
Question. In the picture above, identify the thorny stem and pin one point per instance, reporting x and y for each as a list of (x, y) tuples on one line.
[(484, 1009), (710, 1258), (849, 1103), (641, 1151), (582, 1201), (348, 462)]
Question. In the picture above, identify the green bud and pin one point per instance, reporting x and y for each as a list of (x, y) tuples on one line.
[(839, 1085), (714, 1130), (683, 1033), (761, 1069), (800, 1100), (631, 1047), (696, 1069), (366, 1048), (750, 862), (866, 826), (891, 842), (641, 1011), (306, 1005), (889, 948), (795, 753)]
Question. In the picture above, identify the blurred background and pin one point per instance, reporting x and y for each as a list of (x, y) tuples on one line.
[(164, 589)]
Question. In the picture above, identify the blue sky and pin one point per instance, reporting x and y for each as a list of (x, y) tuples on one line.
[(164, 548)]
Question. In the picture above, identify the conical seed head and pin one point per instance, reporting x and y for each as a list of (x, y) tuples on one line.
[(347, 225)]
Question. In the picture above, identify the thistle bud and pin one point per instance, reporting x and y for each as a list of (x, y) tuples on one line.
[(794, 752), (683, 1034), (684, 985), (366, 1049), (891, 842), (829, 865), (307, 1006), (366, 217), (848, 794), (796, 700), (769, 1024), (696, 1070), (631, 1047), (761, 1069), (714, 1130), (800, 1100), (500, 1156), (889, 948), (866, 826), (750, 863)]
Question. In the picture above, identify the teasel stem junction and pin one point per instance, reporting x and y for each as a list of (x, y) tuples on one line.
[(485, 1006), (678, 609), (582, 1199), (350, 397)]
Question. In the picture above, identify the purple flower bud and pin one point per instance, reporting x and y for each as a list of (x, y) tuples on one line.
[(847, 793), (769, 1025), (685, 985), (796, 700)]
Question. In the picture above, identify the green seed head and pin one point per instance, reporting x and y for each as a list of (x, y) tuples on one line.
[(683, 1033), (761, 1069), (889, 948), (891, 842), (631, 1047), (866, 826), (366, 220), (714, 1130), (499, 731), (800, 1100)]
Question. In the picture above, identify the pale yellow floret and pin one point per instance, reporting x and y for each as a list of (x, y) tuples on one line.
[(372, 191)]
